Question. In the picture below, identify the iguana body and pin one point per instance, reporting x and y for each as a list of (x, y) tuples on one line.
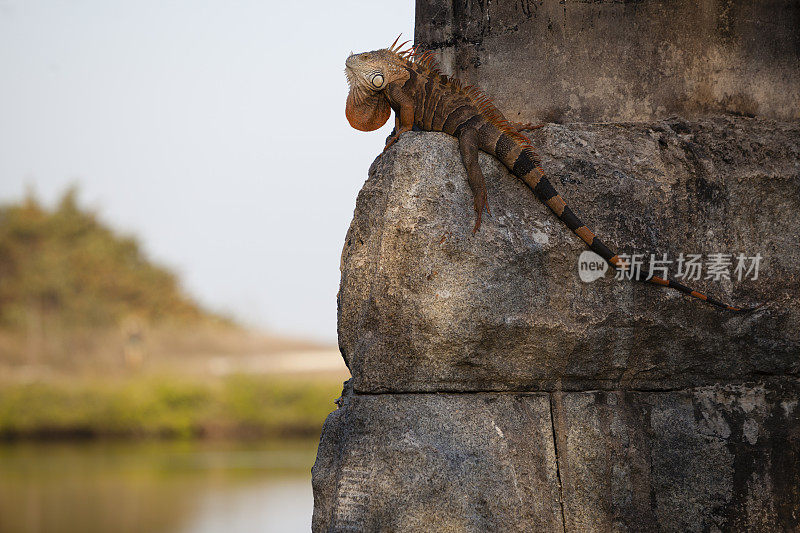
[(410, 84)]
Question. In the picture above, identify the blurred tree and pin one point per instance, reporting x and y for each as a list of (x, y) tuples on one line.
[(64, 267)]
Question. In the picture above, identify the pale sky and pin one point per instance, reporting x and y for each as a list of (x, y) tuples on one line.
[(212, 131)]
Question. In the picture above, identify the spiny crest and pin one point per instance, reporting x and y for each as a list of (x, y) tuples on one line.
[(398, 48), (426, 59), (416, 56), (486, 107), (479, 99)]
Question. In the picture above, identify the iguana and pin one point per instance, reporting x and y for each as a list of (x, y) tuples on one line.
[(409, 82)]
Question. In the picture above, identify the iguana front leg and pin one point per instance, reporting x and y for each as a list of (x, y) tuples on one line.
[(468, 145), (403, 118)]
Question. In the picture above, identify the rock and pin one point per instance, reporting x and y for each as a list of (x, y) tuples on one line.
[(721, 458), (426, 306), (493, 390), (558, 61), (449, 463)]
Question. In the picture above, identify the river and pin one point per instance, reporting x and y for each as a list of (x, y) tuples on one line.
[(156, 486)]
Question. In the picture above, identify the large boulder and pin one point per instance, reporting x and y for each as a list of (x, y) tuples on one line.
[(494, 390), (425, 305)]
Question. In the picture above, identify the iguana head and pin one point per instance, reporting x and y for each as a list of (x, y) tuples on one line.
[(368, 74)]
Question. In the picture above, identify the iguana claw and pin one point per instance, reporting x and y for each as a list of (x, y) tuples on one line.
[(481, 203), (390, 141)]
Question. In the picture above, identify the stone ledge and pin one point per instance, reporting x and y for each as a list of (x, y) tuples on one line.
[(426, 306), (713, 458)]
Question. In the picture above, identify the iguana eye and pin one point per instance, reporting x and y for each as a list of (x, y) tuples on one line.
[(377, 80)]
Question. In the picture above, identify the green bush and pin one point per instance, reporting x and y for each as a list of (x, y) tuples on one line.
[(167, 407), (63, 265)]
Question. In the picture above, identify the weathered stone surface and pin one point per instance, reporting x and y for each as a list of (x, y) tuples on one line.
[(721, 458), (426, 306), (438, 462), (575, 60)]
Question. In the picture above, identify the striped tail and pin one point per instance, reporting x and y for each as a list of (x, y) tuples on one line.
[(526, 167)]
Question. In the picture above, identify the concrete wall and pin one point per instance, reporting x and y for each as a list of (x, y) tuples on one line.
[(598, 61)]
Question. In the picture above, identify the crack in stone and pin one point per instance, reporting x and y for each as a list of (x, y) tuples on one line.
[(558, 466), (776, 379)]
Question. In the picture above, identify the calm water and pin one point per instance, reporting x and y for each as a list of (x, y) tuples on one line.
[(156, 487)]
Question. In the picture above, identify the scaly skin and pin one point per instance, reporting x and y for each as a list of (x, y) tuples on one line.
[(409, 83)]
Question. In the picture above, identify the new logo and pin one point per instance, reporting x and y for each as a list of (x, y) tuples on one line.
[(591, 266)]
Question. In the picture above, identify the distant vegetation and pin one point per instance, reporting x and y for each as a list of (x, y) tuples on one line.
[(238, 406), (64, 266), (76, 295), (96, 340)]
